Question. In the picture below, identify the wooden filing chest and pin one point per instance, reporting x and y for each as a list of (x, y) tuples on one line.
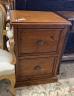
[(39, 42)]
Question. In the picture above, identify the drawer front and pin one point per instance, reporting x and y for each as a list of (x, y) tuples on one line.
[(38, 40), (34, 66)]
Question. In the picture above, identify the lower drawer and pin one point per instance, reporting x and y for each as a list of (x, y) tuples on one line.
[(35, 66)]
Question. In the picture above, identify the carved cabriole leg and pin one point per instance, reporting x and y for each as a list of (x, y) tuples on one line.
[(11, 78)]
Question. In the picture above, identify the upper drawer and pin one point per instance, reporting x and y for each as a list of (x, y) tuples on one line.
[(38, 40)]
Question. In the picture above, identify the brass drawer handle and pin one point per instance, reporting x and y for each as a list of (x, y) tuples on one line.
[(40, 42), (37, 67)]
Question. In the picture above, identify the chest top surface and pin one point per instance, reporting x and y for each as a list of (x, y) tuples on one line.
[(37, 17)]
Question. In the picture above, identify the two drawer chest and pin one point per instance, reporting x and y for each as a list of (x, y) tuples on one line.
[(39, 42)]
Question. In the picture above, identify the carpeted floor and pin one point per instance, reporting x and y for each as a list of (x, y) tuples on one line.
[(61, 88), (64, 86), (66, 70)]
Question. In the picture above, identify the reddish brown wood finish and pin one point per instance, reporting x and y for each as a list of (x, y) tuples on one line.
[(38, 40), (36, 66), (39, 44), (69, 15)]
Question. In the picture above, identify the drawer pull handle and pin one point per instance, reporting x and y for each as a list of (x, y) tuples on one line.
[(37, 67), (40, 42)]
